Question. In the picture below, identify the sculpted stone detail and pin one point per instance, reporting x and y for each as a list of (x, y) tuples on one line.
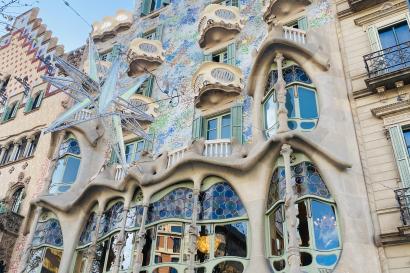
[(225, 14), (223, 75), (148, 48)]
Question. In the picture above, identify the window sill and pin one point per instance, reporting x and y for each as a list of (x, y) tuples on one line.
[(4, 122), (31, 111), (155, 13), (16, 161)]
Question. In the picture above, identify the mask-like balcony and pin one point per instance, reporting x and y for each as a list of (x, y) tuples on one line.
[(218, 24), (278, 11), (144, 54), (214, 83), (10, 222), (112, 25)]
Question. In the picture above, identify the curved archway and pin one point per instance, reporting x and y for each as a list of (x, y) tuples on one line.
[(318, 233), (67, 166)]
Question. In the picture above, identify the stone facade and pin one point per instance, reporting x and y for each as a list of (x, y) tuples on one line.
[(267, 152)]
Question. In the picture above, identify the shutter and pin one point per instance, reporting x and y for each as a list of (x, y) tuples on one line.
[(158, 32), (401, 154), (232, 54), (303, 23), (146, 5), (149, 143), (40, 99), (236, 122), (197, 130), (29, 105), (207, 57), (5, 114), (374, 39), (13, 115), (150, 85)]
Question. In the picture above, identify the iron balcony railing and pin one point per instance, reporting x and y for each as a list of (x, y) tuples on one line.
[(388, 60), (9, 221), (403, 198)]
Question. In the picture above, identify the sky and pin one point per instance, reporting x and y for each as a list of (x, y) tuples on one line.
[(70, 30)]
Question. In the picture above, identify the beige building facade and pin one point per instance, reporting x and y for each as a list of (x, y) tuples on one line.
[(267, 150)]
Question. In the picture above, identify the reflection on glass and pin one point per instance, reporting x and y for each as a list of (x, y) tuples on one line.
[(226, 127), (100, 254), (146, 251), (303, 227), (307, 100), (276, 231), (230, 240), (51, 261), (228, 267), (271, 108), (212, 129), (112, 253), (325, 226), (126, 255), (290, 102), (203, 244), (165, 269), (35, 259), (326, 260), (168, 247)]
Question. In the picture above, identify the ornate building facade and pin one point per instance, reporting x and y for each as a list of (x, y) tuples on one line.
[(250, 163), (27, 105)]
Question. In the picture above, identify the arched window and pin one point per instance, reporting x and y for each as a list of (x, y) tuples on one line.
[(16, 200), (67, 166), (47, 245), (317, 224), (301, 100)]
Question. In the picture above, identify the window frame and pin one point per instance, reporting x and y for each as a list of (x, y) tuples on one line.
[(219, 126), (135, 150)]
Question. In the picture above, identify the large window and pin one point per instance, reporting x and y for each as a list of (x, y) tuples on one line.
[(16, 200), (34, 102), (149, 6), (47, 246), (301, 100), (218, 127), (317, 223), (134, 150), (394, 35), (226, 55), (67, 166)]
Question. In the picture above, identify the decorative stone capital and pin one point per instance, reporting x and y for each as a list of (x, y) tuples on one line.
[(286, 150), (279, 58)]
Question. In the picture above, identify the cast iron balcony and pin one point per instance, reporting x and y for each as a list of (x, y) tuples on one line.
[(143, 55), (9, 221), (214, 82), (218, 24), (388, 66), (403, 198)]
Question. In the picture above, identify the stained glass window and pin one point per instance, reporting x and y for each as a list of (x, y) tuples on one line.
[(176, 204), (86, 235), (48, 232), (134, 217), (219, 202), (325, 226), (111, 219)]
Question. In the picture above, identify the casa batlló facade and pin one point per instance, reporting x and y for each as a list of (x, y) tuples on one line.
[(250, 161)]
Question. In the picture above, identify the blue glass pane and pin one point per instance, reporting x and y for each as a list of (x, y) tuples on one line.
[(212, 135), (70, 146), (48, 233), (307, 125), (111, 219), (226, 120), (270, 110), (134, 217), (86, 235), (58, 174), (212, 124), (307, 103), (129, 149), (220, 201), (290, 102), (71, 170), (407, 139), (324, 226), (326, 260), (176, 204), (403, 33), (387, 38), (292, 125)]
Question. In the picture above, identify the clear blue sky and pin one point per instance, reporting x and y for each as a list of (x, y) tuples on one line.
[(70, 30)]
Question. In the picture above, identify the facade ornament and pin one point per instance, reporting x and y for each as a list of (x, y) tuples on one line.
[(25, 165), (140, 241), (27, 180), (290, 213), (280, 87), (11, 170), (20, 177)]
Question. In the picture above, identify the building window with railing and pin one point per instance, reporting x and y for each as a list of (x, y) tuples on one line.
[(149, 6), (10, 112), (226, 55), (301, 100), (218, 127), (133, 150)]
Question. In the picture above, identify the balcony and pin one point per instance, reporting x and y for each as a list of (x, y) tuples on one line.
[(213, 148), (143, 55), (218, 24), (357, 5), (214, 83), (10, 222), (112, 25), (278, 11), (387, 67), (403, 199), (294, 34)]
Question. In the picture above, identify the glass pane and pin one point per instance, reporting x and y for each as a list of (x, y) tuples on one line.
[(326, 260), (51, 262), (403, 32), (112, 253), (276, 222), (168, 247), (203, 244), (111, 219), (100, 255), (387, 37), (303, 226), (129, 149), (290, 102), (212, 135), (57, 175), (230, 240), (407, 139), (165, 269), (71, 170), (146, 251), (139, 150), (212, 129), (307, 103), (34, 262), (270, 110), (126, 256), (325, 226), (226, 120), (230, 266)]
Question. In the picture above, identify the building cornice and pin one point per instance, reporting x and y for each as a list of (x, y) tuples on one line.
[(391, 109), (380, 13)]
